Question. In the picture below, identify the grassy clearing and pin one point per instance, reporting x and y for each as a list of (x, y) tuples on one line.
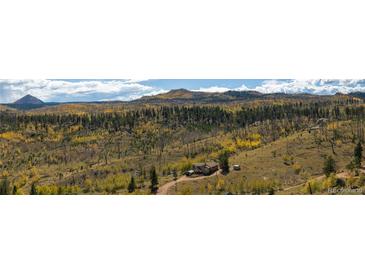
[(287, 164)]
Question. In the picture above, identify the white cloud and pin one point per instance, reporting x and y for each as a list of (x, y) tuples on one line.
[(221, 89), (84, 90), (317, 86), (97, 90), (212, 89), (312, 86), (243, 87)]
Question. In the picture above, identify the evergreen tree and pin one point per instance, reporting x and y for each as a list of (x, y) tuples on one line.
[(154, 180), (5, 187), (224, 162), (15, 190), (358, 155), (33, 190), (329, 166), (174, 174), (132, 185)]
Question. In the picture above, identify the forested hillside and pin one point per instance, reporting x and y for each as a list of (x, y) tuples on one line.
[(140, 147)]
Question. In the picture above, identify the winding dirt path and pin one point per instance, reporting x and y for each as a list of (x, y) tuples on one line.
[(341, 175), (163, 190)]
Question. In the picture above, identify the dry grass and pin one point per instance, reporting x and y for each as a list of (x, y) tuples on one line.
[(288, 162)]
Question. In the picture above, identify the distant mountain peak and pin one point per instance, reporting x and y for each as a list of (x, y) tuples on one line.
[(29, 100), (187, 96), (240, 93), (179, 90)]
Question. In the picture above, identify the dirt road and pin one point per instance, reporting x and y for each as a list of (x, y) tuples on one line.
[(163, 190), (340, 175)]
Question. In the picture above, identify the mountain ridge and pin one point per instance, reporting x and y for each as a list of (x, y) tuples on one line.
[(185, 96)]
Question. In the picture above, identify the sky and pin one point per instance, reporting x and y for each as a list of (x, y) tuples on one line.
[(86, 90)]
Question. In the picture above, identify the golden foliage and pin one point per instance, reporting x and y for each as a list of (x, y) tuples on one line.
[(252, 141), (12, 136), (85, 139)]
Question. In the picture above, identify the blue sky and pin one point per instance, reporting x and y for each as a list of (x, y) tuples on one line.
[(76, 90)]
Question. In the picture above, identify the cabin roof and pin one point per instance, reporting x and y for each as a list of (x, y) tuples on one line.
[(199, 164), (212, 164), (208, 164)]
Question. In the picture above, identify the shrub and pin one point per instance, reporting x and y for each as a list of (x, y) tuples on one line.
[(313, 186), (361, 180), (329, 166), (333, 181), (288, 160), (185, 166), (256, 187), (297, 168)]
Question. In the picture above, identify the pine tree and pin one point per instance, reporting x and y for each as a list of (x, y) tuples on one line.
[(358, 155), (224, 162), (154, 180), (329, 166), (33, 190), (132, 185), (174, 174), (15, 190), (5, 187)]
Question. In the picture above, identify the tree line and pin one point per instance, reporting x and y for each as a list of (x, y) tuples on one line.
[(203, 117)]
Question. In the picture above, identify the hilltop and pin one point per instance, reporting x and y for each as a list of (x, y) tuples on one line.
[(180, 96), (184, 96), (28, 100)]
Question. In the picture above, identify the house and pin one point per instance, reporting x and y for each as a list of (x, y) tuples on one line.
[(212, 167), (198, 168), (205, 168)]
